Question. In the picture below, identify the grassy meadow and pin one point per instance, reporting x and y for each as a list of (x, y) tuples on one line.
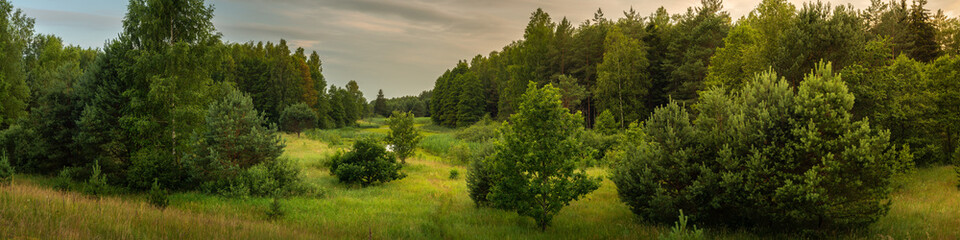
[(427, 204)]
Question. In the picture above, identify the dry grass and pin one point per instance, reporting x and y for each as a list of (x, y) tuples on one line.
[(29, 212)]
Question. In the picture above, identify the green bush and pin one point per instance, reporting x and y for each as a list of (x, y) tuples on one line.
[(158, 196), (21, 147), (97, 184), (482, 131), (368, 163), (276, 211), (600, 144), (681, 232), (454, 174), (479, 181), (6, 171), (768, 156), (65, 179)]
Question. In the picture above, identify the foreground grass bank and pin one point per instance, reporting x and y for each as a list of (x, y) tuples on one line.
[(425, 205)]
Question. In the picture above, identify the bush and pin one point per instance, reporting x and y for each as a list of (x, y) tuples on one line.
[(482, 131), (454, 174), (606, 124), (158, 196), (681, 232), (600, 145), (275, 211), (479, 180), (65, 179), (368, 163), (768, 156), (97, 184), (21, 147), (6, 171), (298, 117)]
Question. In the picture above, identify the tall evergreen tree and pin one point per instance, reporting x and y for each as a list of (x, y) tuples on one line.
[(380, 105)]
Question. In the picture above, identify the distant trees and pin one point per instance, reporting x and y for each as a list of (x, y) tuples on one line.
[(534, 168), (773, 156), (380, 105), (403, 136), (298, 117)]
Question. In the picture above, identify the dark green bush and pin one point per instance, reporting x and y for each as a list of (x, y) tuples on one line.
[(276, 211), (368, 163), (6, 171), (97, 184), (158, 196), (22, 150), (479, 181), (767, 156), (454, 174)]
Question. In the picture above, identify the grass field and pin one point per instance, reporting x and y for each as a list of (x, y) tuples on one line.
[(425, 205)]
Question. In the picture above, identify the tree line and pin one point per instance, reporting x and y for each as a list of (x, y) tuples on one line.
[(153, 104), (897, 58)]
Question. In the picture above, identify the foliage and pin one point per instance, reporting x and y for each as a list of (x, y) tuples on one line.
[(679, 231), (15, 32), (368, 163), (534, 164), (621, 89), (772, 156), (479, 182), (298, 117), (481, 131), (97, 184), (275, 211), (6, 171), (158, 197), (606, 124), (404, 137), (454, 174)]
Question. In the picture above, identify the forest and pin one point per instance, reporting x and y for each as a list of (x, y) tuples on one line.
[(793, 121)]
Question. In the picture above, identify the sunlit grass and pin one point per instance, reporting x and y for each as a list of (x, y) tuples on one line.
[(424, 205)]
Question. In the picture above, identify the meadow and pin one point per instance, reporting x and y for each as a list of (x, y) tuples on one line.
[(427, 204)]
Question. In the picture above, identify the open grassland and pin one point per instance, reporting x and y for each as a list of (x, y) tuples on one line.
[(427, 204)]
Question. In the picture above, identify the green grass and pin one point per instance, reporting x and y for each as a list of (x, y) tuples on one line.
[(425, 205)]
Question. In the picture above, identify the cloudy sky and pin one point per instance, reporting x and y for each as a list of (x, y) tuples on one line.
[(400, 46)]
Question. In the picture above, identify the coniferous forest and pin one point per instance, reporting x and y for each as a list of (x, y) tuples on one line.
[(812, 120)]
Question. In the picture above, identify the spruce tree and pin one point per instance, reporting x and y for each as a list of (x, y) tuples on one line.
[(380, 105)]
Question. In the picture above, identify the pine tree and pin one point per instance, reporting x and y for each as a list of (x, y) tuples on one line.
[(380, 105)]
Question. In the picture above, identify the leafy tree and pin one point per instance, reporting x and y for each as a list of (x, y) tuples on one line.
[(380, 105), (622, 89), (298, 117), (368, 163), (534, 164), (767, 155), (403, 135), (15, 32)]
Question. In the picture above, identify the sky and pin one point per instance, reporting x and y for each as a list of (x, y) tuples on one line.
[(399, 46)]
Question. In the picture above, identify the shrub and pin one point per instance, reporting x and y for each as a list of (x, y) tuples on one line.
[(6, 171), (21, 147), (298, 117), (768, 156), (275, 211), (64, 180), (158, 196), (454, 174), (479, 180), (403, 135), (606, 124), (599, 144), (482, 131), (97, 184), (368, 163), (681, 232)]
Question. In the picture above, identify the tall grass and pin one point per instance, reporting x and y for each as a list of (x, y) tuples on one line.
[(341, 136)]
